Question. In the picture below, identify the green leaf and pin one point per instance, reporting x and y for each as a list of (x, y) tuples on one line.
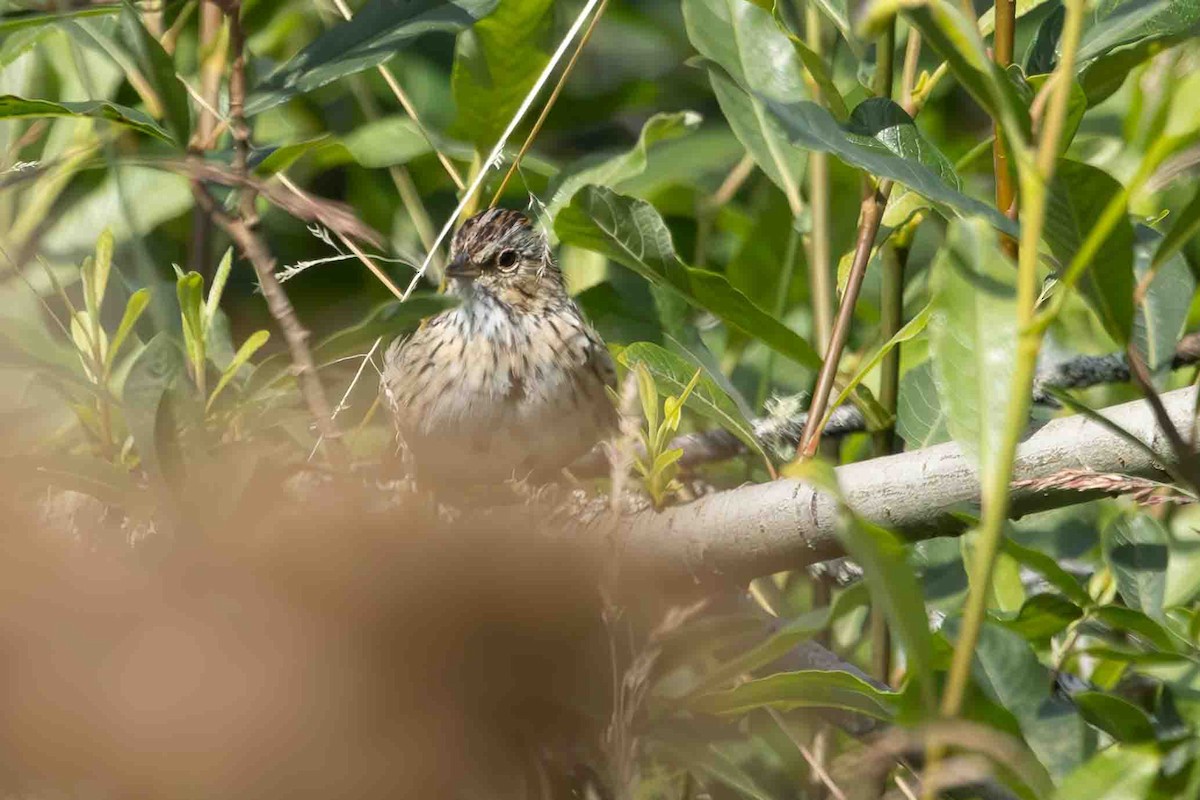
[(1185, 226), (956, 39), (920, 416), (1009, 671), (911, 329), (379, 30), (1042, 54), (1117, 773), (672, 374), (973, 338), (1124, 22), (612, 170), (102, 266), (243, 355), (1058, 577), (1117, 717), (815, 65), (1077, 199), (632, 233), (1136, 550), (158, 68), (386, 142), (786, 691), (267, 161), (705, 759), (13, 107), (133, 311), (1077, 104), (213, 303), (189, 290), (1140, 625), (16, 20), (883, 140), (757, 61), (496, 63), (1160, 317), (1043, 616), (147, 410)]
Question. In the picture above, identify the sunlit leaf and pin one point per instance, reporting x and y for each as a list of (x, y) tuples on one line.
[(249, 347), (13, 107)]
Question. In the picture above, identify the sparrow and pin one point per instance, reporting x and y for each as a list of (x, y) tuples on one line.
[(511, 382)]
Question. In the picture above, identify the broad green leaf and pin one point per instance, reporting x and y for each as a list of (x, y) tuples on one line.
[(1077, 199), (1140, 625), (632, 233), (1042, 54), (973, 338), (672, 373), (147, 409), (496, 63), (1009, 671), (133, 311), (1123, 22), (158, 68), (379, 30), (883, 140), (386, 142), (267, 161), (956, 39), (13, 107), (1158, 321), (1184, 226), (920, 416), (249, 347), (911, 329), (612, 170), (756, 62), (786, 691), (1117, 773), (1116, 716), (1136, 550), (1043, 616)]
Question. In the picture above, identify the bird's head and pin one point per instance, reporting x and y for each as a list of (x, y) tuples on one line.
[(500, 251)]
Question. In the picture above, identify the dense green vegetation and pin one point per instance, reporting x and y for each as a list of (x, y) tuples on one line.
[(958, 204)]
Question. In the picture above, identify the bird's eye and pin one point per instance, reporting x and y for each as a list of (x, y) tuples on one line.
[(507, 259)]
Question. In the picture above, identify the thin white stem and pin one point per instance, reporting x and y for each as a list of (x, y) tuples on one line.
[(342, 403), (494, 157)]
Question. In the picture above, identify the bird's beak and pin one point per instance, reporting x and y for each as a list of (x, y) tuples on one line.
[(461, 267)]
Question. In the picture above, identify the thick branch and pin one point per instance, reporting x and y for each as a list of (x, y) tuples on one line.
[(786, 524), (784, 427)]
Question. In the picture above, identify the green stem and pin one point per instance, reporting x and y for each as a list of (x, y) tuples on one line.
[(1034, 185), (1006, 193), (782, 290), (819, 258)]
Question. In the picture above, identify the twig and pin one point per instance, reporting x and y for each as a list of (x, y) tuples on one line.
[(870, 218), (562, 81), (341, 406), (239, 228), (408, 106)]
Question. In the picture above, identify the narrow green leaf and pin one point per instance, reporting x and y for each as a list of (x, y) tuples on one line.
[(632, 233), (612, 170), (1077, 199), (16, 20), (1133, 621), (671, 372), (1123, 22), (102, 266), (269, 160), (705, 759), (495, 65), (379, 30), (249, 347), (883, 140), (133, 311), (213, 303), (819, 72), (14, 107), (1058, 577), (158, 67), (911, 329), (973, 338), (786, 691)]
